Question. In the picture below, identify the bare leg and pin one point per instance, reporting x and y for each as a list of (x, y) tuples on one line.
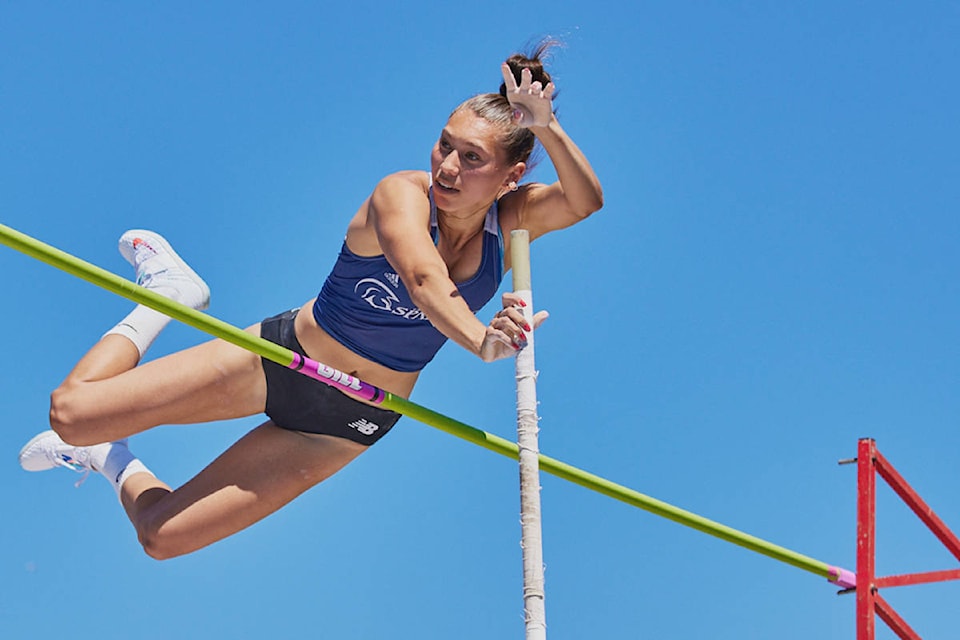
[(107, 397), (262, 472)]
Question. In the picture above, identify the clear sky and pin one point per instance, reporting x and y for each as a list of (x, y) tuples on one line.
[(774, 276)]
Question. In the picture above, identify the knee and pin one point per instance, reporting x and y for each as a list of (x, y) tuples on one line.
[(155, 549), (155, 543), (64, 418)]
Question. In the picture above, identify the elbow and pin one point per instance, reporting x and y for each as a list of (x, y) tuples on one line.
[(590, 199), (597, 202), (597, 197), (591, 204)]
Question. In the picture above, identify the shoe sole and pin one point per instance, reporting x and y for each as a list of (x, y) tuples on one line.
[(161, 242)]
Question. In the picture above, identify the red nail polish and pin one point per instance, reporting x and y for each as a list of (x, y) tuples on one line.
[(522, 303), (526, 327)]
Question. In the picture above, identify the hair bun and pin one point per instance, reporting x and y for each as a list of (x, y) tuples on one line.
[(533, 61)]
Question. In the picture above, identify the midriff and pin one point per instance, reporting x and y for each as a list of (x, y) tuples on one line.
[(323, 348)]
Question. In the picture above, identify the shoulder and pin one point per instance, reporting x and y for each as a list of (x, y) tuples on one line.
[(404, 181), (401, 195), (513, 206), (394, 200)]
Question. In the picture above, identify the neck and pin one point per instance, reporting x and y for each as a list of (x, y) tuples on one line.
[(457, 228)]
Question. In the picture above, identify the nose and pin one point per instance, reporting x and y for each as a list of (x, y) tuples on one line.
[(451, 164)]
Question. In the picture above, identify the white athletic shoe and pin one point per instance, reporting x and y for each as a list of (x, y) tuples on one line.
[(160, 268), (47, 451)]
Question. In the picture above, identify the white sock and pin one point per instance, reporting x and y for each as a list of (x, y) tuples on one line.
[(135, 466), (141, 327), (118, 465)]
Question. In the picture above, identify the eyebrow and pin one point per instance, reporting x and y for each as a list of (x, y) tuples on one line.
[(469, 143)]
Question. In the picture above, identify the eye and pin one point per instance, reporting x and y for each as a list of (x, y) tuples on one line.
[(472, 157), (444, 144)]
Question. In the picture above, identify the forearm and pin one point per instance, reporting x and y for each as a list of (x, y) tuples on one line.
[(580, 184), (437, 296)]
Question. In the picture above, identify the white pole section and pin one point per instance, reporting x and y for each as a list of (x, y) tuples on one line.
[(527, 429)]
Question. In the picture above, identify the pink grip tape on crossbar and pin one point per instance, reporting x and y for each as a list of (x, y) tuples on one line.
[(337, 379), (843, 578)]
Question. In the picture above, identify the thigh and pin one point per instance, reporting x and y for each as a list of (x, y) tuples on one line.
[(262, 472), (212, 381)]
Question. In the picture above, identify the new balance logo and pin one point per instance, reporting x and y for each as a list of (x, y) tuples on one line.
[(393, 278), (364, 426)]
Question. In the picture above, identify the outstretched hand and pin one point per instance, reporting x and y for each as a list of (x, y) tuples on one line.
[(506, 333), (532, 102)]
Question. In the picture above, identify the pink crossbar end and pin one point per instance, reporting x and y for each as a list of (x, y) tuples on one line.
[(843, 578)]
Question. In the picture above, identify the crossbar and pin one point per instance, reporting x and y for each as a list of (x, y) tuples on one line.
[(328, 375)]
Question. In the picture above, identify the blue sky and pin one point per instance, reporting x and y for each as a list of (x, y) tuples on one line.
[(774, 276)]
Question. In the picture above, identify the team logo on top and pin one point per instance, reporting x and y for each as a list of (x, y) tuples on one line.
[(380, 296)]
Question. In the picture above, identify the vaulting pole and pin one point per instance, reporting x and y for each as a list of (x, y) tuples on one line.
[(529, 450)]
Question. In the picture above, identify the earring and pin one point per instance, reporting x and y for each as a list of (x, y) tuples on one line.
[(513, 186)]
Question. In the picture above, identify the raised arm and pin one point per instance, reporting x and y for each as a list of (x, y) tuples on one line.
[(577, 193)]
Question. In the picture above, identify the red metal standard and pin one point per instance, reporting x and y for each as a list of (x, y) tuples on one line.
[(866, 538), (870, 604)]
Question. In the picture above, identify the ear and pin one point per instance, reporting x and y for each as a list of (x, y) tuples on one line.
[(515, 175)]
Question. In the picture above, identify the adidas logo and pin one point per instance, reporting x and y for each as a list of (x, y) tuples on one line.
[(393, 278), (364, 426)]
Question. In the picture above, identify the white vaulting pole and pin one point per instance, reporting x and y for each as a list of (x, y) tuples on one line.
[(527, 441)]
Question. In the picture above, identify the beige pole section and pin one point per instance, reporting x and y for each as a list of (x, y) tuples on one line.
[(527, 428)]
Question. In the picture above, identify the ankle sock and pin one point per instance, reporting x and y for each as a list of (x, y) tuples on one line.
[(118, 465), (134, 466), (141, 327)]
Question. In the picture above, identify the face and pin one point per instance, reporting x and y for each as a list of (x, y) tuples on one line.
[(468, 164)]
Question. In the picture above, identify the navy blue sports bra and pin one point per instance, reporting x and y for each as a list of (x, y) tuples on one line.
[(365, 306)]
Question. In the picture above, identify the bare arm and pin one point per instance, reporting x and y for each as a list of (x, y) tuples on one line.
[(399, 210), (577, 192)]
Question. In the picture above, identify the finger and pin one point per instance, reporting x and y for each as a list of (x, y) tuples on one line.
[(511, 299), (517, 337), (508, 79), (526, 76), (513, 324), (548, 91), (536, 88), (516, 318), (516, 341), (539, 317)]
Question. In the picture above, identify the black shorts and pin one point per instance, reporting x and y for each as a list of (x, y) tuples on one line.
[(299, 403)]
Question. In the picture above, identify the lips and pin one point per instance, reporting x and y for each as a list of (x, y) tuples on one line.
[(444, 186)]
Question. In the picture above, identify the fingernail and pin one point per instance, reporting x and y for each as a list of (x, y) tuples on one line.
[(526, 327), (522, 303)]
